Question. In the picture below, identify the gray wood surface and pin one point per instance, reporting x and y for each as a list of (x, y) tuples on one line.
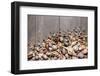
[(39, 27)]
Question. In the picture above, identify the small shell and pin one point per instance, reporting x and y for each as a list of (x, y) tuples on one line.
[(75, 48), (46, 46), (71, 51), (37, 48), (82, 47), (80, 55), (66, 44), (59, 45), (50, 49), (64, 58), (74, 57), (73, 38), (74, 43), (61, 39), (48, 53), (55, 58), (50, 44), (33, 54), (40, 55), (67, 56), (30, 55), (43, 44), (54, 47), (36, 57), (45, 57), (85, 51), (48, 40), (58, 50), (55, 53), (31, 47), (64, 51)]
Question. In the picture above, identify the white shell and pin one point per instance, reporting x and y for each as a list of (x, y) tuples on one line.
[(61, 39), (54, 47), (50, 49), (75, 48)]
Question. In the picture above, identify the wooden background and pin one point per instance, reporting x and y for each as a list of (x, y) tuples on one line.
[(39, 27)]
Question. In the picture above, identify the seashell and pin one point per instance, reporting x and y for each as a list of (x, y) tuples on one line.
[(48, 53), (85, 56), (64, 58), (55, 58), (66, 40), (67, 56), (61, 39), (30, 55), (43, 44), (59, 44), (58, 50), (54, 47), (46, 46), (48, 40), (33, 54), (75, 48), (73, 43), (73, 38), (66, 44), (31, 47), (55, 53), (74, 57), (82, 47), (33, 58), (38, 44), (40, 55), (85, 51), (36, 57), (50, 49), (71, 51), (50, 44), (80, 55), (64, 51), (53, 35), (45, 57), (37, 48)]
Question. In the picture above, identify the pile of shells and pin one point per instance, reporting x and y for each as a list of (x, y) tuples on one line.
[(60, 46)]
